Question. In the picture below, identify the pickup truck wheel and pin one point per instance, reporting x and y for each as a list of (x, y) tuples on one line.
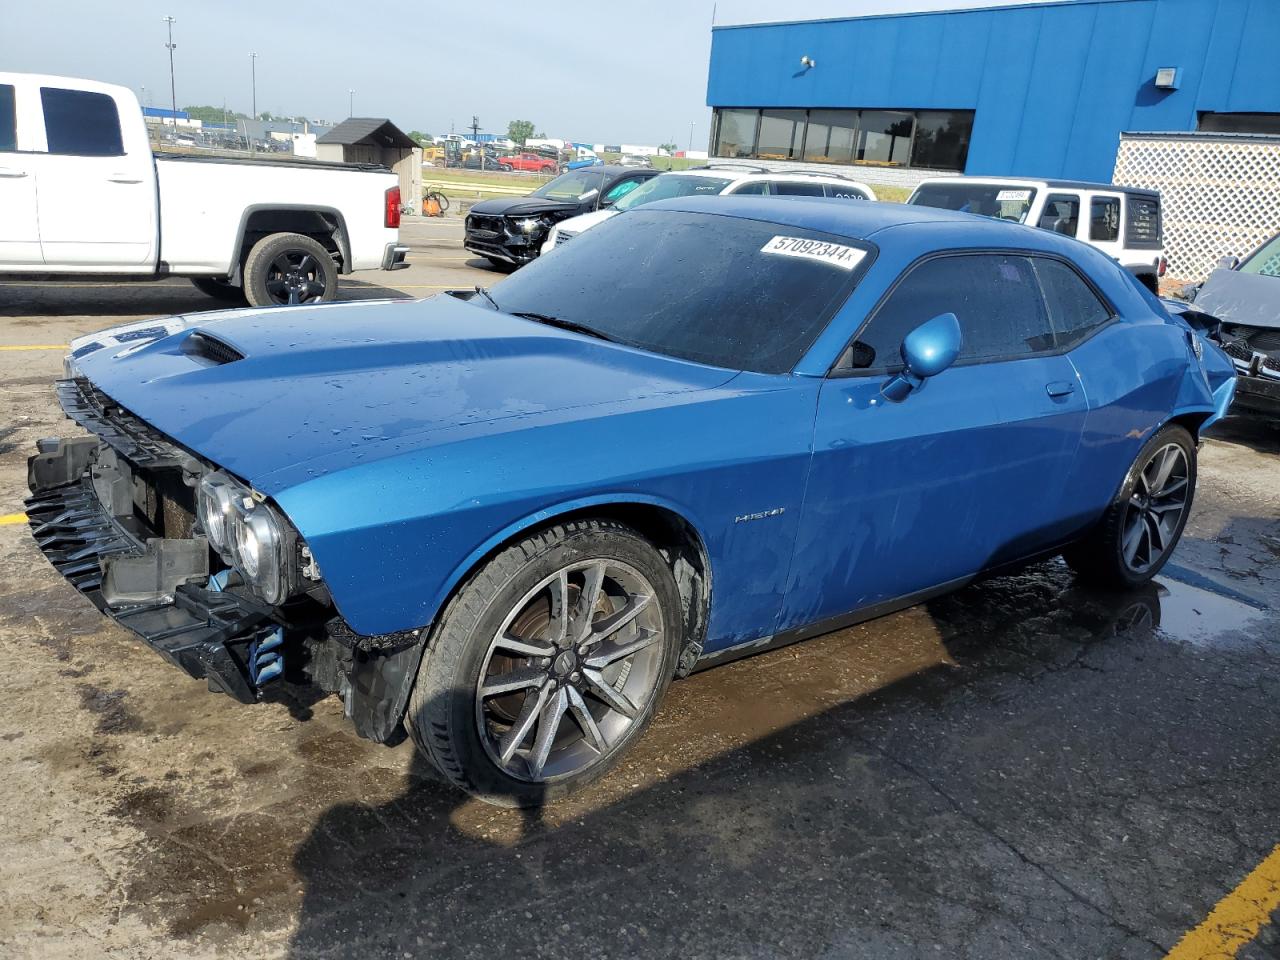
[(1142, 526), (289, 268), (548, 663), (219, 289)]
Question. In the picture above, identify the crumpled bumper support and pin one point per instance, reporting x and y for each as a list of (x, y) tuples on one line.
[(206, 633)]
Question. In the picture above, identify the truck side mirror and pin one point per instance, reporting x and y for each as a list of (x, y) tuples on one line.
[(926, 351), (1228, 262)]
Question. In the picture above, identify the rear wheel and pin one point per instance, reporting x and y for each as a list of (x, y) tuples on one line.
[(548, 663), (219, 289), (289, 268), (1143, 525)]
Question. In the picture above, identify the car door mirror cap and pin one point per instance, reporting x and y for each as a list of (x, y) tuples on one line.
[(927, 350), (1228, 262)]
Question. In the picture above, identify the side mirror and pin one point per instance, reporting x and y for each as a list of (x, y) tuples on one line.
[(927, 350), (1228, 263)]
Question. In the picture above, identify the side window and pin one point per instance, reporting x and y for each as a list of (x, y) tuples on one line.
[(995, 297), (1104, 219), (1061, 214), (8, 120), (620, 190), (81, 123), (757, 188), (787, 189), (845, 193), (1074, 309)]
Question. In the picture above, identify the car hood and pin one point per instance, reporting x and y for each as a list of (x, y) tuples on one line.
[(319, 389), (523, 206), (1243, 299)]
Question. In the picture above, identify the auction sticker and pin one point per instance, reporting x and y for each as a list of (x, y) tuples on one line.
[(838, 255), (1013, 195)]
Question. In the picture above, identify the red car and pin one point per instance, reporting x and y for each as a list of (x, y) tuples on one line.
[(528, 161)]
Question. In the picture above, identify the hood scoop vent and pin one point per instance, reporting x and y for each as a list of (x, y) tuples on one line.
[(210, 350)]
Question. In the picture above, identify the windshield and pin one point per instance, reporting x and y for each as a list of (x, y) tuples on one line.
[(1266, 261), (1003, 202), (672, 185), (725, 291), (573, 185)]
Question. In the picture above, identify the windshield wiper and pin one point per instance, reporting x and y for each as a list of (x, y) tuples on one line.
[(488, 296), (562, 324)]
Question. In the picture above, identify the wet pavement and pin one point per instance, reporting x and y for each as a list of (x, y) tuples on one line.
[(1026, 768)]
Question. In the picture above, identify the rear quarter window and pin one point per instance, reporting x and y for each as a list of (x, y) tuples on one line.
[(8, 120), (1142, 224)]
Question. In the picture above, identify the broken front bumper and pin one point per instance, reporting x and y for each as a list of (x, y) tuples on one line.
[(1260, 395), (141, 582)]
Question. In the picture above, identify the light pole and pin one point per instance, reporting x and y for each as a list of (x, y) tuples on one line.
[(173, 96), (691, 123), (253, 73), (351, 101)]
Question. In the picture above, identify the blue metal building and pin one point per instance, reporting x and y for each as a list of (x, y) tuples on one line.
[(1039, 90)]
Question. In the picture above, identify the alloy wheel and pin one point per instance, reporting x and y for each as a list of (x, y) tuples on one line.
[(1153, 515), (296, 276), (573, 668)]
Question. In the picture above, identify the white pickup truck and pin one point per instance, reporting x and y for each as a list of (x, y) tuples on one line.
[(82, 194)]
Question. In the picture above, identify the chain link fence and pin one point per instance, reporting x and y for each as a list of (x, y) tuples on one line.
[(1220, 192)]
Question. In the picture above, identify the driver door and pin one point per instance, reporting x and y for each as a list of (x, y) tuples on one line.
[(967, 472)]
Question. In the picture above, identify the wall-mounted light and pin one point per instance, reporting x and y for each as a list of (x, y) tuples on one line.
[(807, 62), (1168, 78)]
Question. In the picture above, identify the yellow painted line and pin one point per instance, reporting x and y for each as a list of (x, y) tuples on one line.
[(8, 519), (34, 346), (1237, 918)]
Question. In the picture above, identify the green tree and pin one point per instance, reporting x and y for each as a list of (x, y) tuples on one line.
[(669, 147), (423, 139), (520, 130), (213, 114)]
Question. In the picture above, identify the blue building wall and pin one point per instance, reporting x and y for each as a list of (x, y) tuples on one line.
[(1052, 85)]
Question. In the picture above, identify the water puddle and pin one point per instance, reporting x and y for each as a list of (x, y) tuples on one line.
[(1196, 610)]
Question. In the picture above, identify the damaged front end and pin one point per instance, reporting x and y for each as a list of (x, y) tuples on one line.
[(202, 568), (1255, 352)]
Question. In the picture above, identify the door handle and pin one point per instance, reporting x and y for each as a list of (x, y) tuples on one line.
[(11, 172), (123, 178), (1060, 388)]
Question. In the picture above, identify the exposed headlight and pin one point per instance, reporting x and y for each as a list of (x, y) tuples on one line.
[(248, 534), (528, 224), (259, 551), (217, 509)]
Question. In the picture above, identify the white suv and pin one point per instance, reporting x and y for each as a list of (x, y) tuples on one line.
[(1122, 222), (716, 180)]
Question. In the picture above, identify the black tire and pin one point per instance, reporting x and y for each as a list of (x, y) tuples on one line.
[(289, 268), (1101, 557), (504, 167), (447, 711), (219, 289)]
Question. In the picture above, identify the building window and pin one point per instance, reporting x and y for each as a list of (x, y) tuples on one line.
[(942, 139), (935, 139), (736, 132), (1240, 122), (831, 136), (781, 134), (884, 137)]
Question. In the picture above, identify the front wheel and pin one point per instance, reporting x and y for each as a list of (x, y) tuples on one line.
[(289, 268), (1143, 525), (548, 663)]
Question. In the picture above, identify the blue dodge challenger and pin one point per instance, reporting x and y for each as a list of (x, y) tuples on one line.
[(501, 521)]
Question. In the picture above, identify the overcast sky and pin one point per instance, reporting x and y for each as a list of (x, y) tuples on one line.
[(598, 71)]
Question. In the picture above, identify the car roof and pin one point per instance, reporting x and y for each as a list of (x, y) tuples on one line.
[(1048, 184), (741, 175), (868, 220)]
